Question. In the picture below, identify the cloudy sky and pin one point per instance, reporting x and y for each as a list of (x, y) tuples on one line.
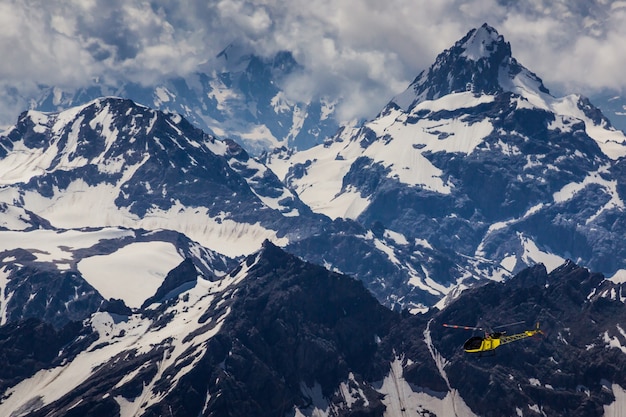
[(365, 51)]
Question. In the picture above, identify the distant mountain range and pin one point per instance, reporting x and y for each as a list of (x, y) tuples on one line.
[(243, 102), (459, 179), (150, 268), (112, 163)]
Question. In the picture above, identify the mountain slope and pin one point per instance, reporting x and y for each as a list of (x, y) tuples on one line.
[(278, 336), (274, 323), (115, 163), (144, 321), (613, 106), (63, 276), (476, 157)]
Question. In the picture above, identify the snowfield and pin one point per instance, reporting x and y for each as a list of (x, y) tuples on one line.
[(132, 273)]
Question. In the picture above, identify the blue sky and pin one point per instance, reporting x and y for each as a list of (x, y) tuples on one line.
[(364, 51)]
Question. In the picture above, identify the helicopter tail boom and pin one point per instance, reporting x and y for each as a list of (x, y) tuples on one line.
[(520, 336)]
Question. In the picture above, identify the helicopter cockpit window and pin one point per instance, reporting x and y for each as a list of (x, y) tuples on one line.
[(473, 343)]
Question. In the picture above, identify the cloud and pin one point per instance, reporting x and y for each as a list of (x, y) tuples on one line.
[(31, 48), (574, 46), (364, 51)]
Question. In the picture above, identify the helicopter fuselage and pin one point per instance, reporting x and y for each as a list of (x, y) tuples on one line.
[(490, 342), (478, 344)]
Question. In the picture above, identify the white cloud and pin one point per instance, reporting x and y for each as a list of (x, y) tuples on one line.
[(253, 20), (365, 51)]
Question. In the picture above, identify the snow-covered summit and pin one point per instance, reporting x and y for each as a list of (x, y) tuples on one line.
[(482, 43), (469, 157), (481, 62)]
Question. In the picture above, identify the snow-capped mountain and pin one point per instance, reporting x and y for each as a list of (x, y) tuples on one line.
[(244, 101), (100, 202), (448, 187), (112, 163), (278, 336), (124, 290), (477, 158)]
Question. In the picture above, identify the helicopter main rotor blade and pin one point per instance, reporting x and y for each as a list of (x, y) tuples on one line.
[(456, 326), (510, 324)]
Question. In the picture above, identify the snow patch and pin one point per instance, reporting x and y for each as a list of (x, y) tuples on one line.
[(53, 246), (614, 342), (480, 44), (611, 141), (454, 101), (618, 407), (4, 296), (81, 205), (279, 103), (509, 262), (132, 273), (398, 238), (619, 277), (398, 148), (351, 395), (402, 399), (14, 218), (532, 254)]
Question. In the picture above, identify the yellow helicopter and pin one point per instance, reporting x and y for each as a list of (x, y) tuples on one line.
[(492, 340)]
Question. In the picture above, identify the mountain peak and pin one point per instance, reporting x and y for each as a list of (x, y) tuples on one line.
[(482, 43), (481, 62)]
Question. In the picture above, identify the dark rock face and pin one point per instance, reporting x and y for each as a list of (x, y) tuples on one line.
[(30, 345), (295, 333), (285, 340), (178, 280), (340, 245), (293, 328), (55, 297), (293, 323), (116, 306)]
